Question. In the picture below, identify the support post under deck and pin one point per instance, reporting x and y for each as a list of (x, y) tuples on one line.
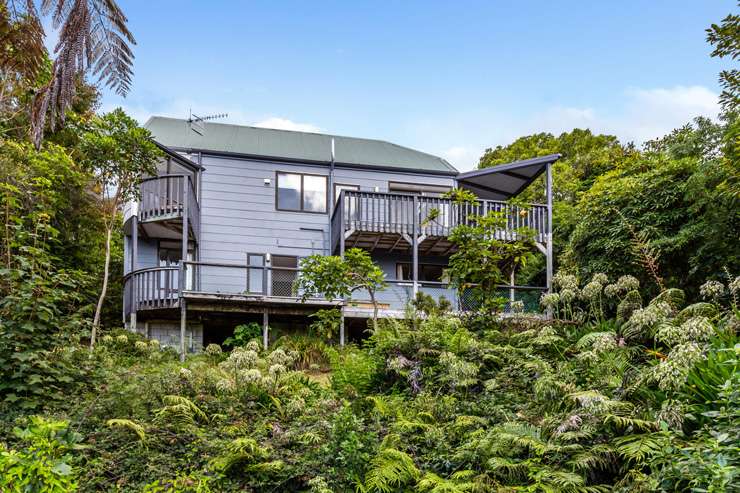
[(549, 259), (265, 329), (415, 247), (134, 266), (341, 328), (183, 266)]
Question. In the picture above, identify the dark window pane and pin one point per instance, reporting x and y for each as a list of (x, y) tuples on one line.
[(289, 191), (314, 193)]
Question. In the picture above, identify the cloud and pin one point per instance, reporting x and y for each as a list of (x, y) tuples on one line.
[(285, 124), (635, 115)]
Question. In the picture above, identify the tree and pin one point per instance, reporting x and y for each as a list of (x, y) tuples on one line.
[(93, 37), (585, 157), (480, 264), (336, 277), (725, 37), (679, 197), (119, 153)]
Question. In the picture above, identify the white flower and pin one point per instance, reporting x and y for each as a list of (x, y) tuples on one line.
[(295, 406), (671, 373), (591, 291), (185, 373), (141, 346), (253, 375), (106, 339), (517, 306), (628, 283), (240, 358), (276, 370), (565, 281), (550, 300), (225, 385), (600, 278), (154, 344), (604, 343), (712, 290), (568, 295), (735, 285), (279, 357), (213, 350), (697, 329), (612, 290), (252, 346), (123, 339)]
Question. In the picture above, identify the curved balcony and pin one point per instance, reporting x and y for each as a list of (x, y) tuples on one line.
[(166, 200)]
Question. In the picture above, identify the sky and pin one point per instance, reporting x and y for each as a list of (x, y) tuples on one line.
[(448, 78)]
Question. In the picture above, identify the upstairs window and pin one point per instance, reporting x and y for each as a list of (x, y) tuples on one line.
[(301, 192)]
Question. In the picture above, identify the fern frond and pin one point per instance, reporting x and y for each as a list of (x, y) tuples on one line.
[(435, 484), (180, 411), (389, 471), (627, 422), (637, 448), (128, 424)]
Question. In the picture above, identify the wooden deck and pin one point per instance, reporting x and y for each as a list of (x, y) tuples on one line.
[(388, 221)]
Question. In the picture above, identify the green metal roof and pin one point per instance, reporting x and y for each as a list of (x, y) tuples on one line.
[(294, 146)]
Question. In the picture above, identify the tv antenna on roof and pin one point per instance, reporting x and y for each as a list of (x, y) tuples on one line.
[(197, 123)]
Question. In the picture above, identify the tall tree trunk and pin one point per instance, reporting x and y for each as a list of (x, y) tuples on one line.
[(99, 307), (375, 310)]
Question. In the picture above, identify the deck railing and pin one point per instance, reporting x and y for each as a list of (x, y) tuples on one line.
[(165, 197), (431, 216), (159, 287)]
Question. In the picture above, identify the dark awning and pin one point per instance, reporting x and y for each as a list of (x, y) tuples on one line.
[(504, 181)]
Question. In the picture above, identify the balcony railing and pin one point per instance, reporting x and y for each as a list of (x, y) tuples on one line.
[(404, 214), (166, 197), (159, 288)]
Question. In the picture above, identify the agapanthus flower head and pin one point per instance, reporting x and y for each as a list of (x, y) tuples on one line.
[(735, 285), (252, 375), (712, 290), (697, 329), (604, 343), (241, 358), (252, 346), (106, 339), (154, 343), (591, 291), (612, 290), (671, 373), (276, 370), (279, 357), (568, 295), (185, 373), (550, 300), (628, 283), (600, 278), (225, 385), (517, 306), (123, 338), (213, 350), (565, 281), (141, 346)]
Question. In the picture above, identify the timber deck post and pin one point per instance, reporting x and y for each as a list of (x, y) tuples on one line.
[(415, 247), (183, 269), (134, 265), (265, 329), (548, 234)]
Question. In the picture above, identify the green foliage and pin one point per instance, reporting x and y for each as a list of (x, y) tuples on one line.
[(482, 260), (326, 323), (335, 277), (44, 465), (244, 333)]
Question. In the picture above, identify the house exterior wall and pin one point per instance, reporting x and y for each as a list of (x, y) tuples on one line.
[(239, 215)]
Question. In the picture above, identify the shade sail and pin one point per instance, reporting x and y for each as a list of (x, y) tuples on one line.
[(504, 181)]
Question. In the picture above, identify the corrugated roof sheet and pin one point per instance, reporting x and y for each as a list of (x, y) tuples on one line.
[(298, 146)]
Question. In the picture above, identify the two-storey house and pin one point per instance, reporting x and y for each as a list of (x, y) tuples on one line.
[(217, 236)]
